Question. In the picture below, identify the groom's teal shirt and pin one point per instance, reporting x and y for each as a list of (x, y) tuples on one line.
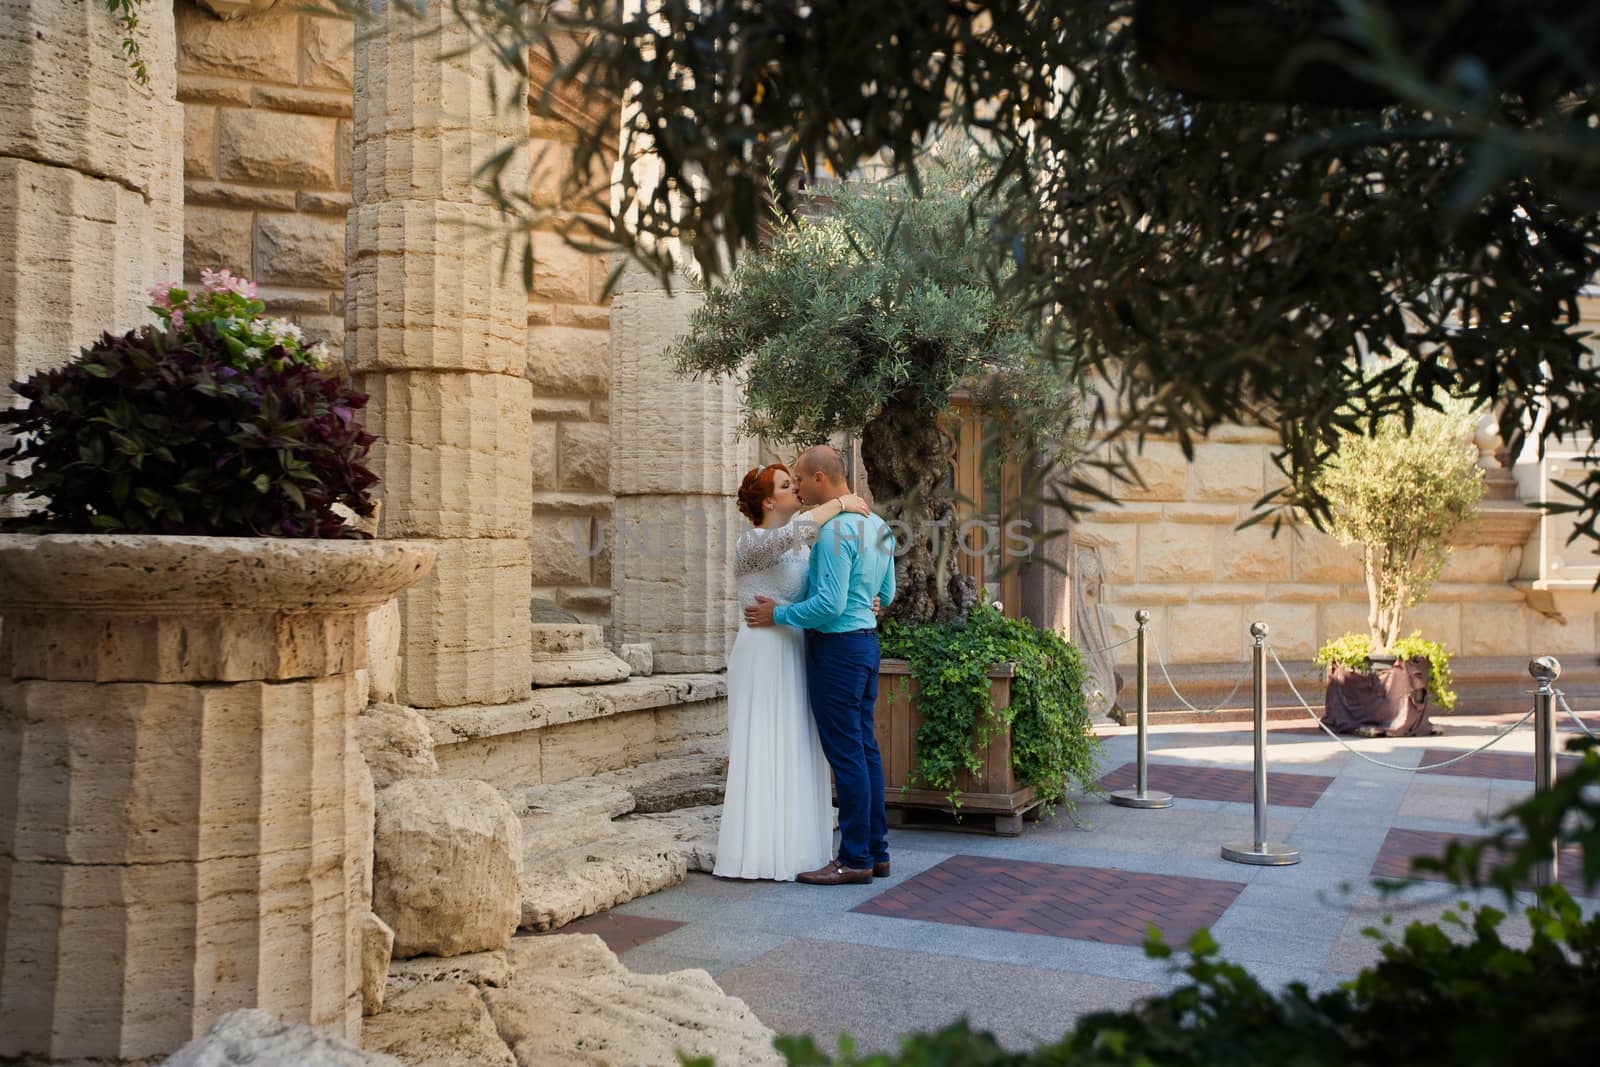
[(852, 562)]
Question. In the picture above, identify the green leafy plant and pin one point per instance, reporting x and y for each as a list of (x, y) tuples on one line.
[(1353, 651), (1052, 743), (1396, 494), (187, 429), (863, 317), (126, 13), (241, 332)]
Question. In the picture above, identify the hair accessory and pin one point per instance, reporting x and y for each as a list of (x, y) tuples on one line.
[(760, 467)]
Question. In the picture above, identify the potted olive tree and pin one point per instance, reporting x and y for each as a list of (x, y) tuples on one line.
[(862, 316), (1396, 494), (182, 618)]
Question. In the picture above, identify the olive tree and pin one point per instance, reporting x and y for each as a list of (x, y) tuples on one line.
[(1217, 204), (862, 314), (1396, 495)]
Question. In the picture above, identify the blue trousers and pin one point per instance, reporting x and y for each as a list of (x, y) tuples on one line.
[(842, 676)]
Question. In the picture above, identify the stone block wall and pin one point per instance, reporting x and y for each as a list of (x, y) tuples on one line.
[(266, 157), (1174, 548), (267, 113), (569, 365)]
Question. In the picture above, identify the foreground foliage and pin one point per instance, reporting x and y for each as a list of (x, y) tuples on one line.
[(1214, 258), (1053, 744)]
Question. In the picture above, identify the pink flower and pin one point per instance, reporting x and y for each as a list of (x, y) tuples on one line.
[(177, 319), (225, 281), (161, 294)]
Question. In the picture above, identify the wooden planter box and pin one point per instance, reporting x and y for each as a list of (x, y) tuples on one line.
[(991, 800)]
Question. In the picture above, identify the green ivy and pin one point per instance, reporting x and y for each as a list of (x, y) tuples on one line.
[(1052, 743), (1352, 651), (127, 16)]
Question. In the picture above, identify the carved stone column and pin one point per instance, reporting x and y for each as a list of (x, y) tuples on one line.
[(437, 333), (181, 827), (674, 471)]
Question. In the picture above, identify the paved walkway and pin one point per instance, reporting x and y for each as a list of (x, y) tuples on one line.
[(1024, 934)]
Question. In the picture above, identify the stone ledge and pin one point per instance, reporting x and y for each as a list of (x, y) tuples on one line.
[(553, 707)]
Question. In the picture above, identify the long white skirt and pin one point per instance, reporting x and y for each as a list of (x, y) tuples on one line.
[(777, 816)]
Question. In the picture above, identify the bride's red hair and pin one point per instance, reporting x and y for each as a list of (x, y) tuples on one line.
[(757, 489)]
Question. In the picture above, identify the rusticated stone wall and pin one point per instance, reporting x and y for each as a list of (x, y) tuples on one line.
[(569, 333), (1175, 549), (266, 152), (267, 91)]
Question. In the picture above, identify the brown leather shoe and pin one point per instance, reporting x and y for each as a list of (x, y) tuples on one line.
[(880, 869), (833, 874)]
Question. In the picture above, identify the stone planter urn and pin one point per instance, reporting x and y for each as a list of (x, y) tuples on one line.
[(181, 831)]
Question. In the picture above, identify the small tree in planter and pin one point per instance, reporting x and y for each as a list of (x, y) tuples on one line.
[(862, 318), (1396, 494)]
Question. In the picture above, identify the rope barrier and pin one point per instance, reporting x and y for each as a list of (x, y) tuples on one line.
[(1162, 663), (1568, 707), (1391, 766), (1108, 648)]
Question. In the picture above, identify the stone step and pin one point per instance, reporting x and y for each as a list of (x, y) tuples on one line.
[(545, 834), (594, 877), (668, 784), (593, 843), (692, 830)]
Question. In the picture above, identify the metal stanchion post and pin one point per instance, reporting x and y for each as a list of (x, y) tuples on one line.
[(1261, 852), (1142, 797), (1545, 670)]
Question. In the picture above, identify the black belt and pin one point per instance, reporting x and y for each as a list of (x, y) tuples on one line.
[(844, 633)]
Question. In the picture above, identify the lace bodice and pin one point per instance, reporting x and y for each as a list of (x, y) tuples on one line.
[(773, 563)]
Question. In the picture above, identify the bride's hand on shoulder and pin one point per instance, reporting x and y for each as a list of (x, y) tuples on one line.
[(851, 502)]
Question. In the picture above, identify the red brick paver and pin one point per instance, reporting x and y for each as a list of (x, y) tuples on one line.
[(621, 932), (1488, 764), (1219, 783), (1394, 858), (1083, 903)]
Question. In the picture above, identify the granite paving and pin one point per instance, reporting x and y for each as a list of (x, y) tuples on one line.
[(1218, 783), (1023, 935), (1080, 903)]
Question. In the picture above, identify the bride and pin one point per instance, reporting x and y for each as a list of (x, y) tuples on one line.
[(777, 817)]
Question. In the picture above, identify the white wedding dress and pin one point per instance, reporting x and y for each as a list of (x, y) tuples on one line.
[(777, 815)]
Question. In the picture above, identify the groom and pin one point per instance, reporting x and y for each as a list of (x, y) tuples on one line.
[(852, 562)]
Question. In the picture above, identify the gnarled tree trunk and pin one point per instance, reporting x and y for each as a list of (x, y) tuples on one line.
[(907, 458)]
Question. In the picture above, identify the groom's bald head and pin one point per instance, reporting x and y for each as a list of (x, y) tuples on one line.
[(823, 460), (819, 475)]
